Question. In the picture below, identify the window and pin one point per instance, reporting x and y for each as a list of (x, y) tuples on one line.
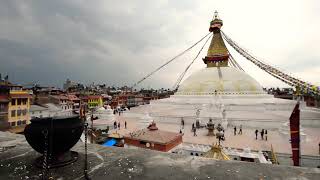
[(13, 113), (24, 101), (2, 108), (18, 123), (24, 122), (13, 102), (24, 112), (19, 101), (13, 123), (18, 112)]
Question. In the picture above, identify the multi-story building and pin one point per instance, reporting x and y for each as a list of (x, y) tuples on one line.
[(139, 100), (18, 108), (4, 103), (63, 102), (119, 100), (75, 100), (106, 99), (135, 100), (94, 101), (131, 101)]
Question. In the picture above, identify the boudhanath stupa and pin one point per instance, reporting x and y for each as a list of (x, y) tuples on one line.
[(227, 95)]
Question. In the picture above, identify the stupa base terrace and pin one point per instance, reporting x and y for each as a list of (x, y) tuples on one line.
[(252, 110), (119, 163)]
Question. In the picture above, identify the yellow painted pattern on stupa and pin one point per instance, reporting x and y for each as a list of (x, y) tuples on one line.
[(217, 46)]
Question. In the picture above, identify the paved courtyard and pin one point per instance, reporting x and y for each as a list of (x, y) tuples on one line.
[(247, 139)]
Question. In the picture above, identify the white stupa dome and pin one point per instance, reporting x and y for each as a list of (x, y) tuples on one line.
[(223, 80), (101, 109)]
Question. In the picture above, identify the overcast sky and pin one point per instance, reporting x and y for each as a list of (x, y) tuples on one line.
[(118, 42)]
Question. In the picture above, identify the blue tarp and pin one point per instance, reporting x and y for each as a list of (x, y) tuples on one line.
[(111, 142)]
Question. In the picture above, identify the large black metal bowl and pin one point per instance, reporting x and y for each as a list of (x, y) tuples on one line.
[(54, 136)]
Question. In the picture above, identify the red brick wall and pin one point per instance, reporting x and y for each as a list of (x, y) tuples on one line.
[(137, 143), (174, 144), (158, 147)]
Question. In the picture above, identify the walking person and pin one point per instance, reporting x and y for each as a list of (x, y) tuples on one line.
[(262, 133), (119, 125), (115, 125), (240, 130), (256, 132), (182, 122), (194, 131), (125, 124), (192, 127), (235, 130), (266, 134)]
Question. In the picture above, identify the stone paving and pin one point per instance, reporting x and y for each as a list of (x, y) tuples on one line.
[(247, 139), (140, 164)]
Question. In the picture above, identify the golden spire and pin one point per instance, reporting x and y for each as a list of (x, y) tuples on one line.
[(217, 153), (218, 53)]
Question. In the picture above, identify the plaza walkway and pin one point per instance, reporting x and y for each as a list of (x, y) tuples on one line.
[(247, 139)]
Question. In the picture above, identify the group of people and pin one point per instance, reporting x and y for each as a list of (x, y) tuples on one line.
[(119, 110), (263, 133), (117, 125), (235, 130), (193, 129)]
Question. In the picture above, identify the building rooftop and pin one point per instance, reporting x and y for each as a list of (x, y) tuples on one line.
[(37, 108), (94, 96), (16, 162), (60, 97), (24, 95), (155, 136), (73, 97)]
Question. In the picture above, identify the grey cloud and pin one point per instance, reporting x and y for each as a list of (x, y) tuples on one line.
[(114, 42)]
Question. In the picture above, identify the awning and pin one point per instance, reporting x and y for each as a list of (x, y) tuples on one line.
[(20, 96), (4, 99)]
